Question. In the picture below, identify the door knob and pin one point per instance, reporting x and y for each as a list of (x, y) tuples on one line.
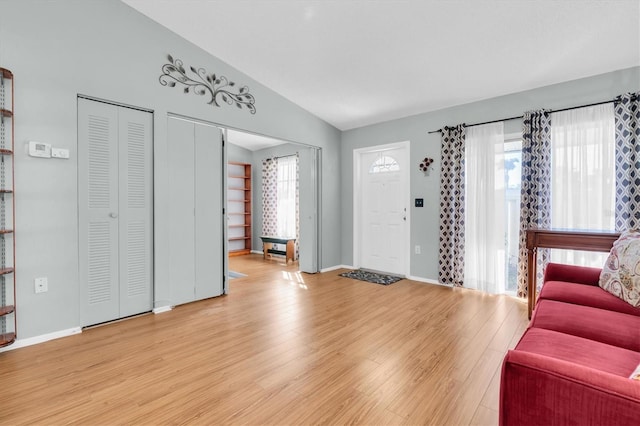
[(113, 215)]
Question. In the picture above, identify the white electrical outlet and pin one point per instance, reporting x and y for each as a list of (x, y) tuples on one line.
[(41, 284), (418, 250)]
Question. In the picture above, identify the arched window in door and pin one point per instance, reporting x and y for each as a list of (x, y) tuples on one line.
[(384, 164)]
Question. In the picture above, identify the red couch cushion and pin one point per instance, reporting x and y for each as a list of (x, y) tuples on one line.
[(613, 328), (578, 350), (586, 295)]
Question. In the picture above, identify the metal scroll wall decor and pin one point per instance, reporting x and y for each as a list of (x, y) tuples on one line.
[(202, 83)]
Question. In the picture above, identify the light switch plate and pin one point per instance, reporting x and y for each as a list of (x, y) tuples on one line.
[(59, 153)]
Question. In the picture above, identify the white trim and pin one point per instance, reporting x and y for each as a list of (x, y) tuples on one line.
[(21, 343), (333, 268), (257, 252), (357, 184), (162, 309), (427, 280)]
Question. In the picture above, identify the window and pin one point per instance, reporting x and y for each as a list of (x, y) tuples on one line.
[(583, 176), (287, 181), (384, 164), (512, 181)]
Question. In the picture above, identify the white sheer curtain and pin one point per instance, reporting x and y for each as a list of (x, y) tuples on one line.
[(287, 184), (582, 175), (485, 227)]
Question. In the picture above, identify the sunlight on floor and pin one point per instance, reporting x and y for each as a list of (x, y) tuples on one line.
[(294, 278)]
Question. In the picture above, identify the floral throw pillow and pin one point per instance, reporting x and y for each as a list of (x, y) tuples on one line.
[(621, 273)]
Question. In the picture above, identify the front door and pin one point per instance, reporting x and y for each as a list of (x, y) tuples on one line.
[(383, 203)]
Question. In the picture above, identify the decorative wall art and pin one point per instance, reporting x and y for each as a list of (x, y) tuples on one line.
[(426, 163), (202, 83)]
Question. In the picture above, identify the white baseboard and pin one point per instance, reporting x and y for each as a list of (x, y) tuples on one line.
[(21, 343), (161, 309), (257, 252), (426, 280), (333, 268)]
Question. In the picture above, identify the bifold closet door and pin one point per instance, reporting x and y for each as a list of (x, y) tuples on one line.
[(115, 211), (196, 233)]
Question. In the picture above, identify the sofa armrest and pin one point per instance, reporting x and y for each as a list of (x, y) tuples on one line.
[(540, 390), (572, 274)]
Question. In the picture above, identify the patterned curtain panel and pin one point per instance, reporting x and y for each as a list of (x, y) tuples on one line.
[(281, 198), (627, 123), (535, 193), (451, 258), (269, 196)]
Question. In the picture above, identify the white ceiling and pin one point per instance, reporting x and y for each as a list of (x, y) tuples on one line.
[(251, 141), (358, 62)]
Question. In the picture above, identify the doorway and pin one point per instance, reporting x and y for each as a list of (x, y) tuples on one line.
[(381, 208), (115, 193), (252, 150)]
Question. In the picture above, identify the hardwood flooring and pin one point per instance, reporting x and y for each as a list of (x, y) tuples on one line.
[(282, 347)]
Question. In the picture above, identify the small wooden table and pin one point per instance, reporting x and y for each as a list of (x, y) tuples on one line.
[(269, 241), (567, 239)]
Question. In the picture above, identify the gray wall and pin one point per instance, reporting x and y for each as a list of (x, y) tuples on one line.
[(425, 221), (238, 154), (104, 49)]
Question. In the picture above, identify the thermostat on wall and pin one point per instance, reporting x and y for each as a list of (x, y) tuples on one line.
[(39, 149)]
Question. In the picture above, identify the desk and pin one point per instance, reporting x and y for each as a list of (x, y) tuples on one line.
[(269, 241), (561, 239)]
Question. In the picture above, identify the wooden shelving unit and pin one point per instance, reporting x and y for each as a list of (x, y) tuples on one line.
[(8, 324), (239, 208)]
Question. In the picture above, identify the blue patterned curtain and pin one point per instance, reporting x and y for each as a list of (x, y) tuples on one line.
[(627, 122), (451, 257), (535, 193)]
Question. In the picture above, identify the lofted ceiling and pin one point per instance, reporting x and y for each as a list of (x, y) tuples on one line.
[(358, 62)]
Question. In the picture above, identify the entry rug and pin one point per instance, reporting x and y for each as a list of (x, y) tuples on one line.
[(371, 277)]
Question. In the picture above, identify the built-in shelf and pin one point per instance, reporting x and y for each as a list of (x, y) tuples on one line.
[(7, 338), (6, 310), (7, 219), (5, 271), (239, 208)]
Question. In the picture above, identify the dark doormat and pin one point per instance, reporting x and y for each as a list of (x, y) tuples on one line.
[(371, 277)]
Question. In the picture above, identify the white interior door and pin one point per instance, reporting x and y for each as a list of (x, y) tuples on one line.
[(309, 207), (383, 194), (209, 220), (115, 211), (196, 238)]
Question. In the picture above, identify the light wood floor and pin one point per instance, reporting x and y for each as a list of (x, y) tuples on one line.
[(281, 348)]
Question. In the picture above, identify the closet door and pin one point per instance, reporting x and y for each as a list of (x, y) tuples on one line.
[(135, 211), (196, 235), (180, 136), (115, 211), (98, 204), (209, 238)]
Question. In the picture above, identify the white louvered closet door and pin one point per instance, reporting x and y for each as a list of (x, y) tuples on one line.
[(115, 211)]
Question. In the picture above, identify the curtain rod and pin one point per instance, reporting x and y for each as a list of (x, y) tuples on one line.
[(617, 99)]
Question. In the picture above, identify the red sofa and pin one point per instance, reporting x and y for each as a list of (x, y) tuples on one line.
[(572, 365)]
